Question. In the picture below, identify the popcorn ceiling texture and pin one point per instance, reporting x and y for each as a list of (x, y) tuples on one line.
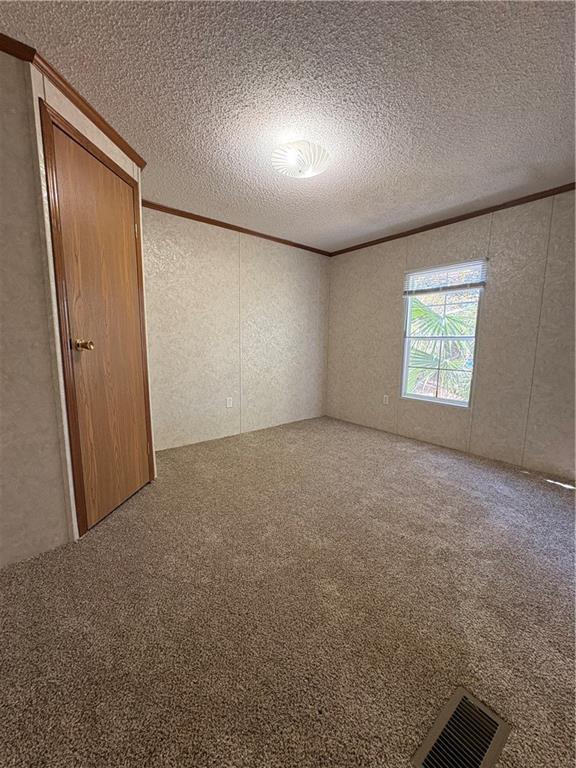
[(428, 109)]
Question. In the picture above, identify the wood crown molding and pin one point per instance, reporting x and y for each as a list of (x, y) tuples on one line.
[(462, 217), (16, 48), (397, 236), (26, 53), (233, 227)]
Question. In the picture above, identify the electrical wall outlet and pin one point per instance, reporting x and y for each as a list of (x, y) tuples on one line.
[(385, 399), (228, 402)]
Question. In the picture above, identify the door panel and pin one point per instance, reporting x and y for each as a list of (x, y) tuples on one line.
[(94, 203)]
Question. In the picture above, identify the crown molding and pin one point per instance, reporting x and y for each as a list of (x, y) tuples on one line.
[(233, 227), (406, 233), (456, 219), (16, 48), (26, 53)]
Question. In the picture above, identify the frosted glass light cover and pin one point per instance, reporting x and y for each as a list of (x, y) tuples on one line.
[(300, 159)]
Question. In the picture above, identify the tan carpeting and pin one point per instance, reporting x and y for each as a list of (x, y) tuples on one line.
[(308, 595)]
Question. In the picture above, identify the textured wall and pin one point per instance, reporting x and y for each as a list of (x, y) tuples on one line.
[(191, 274), (549, 443), (235, 316), (508, 330), (284, 304), (32, 485), (522, 408)]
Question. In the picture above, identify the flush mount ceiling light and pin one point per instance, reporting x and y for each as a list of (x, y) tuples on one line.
[(300, 159)]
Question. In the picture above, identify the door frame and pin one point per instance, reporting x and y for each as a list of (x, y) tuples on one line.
[(50, 118)]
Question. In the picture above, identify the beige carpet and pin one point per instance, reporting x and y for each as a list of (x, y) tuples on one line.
[(308, 595)]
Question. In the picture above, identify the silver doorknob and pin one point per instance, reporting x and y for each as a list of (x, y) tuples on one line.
[(81, 344)]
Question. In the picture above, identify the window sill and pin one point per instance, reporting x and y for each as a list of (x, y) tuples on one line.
[(434, 401)]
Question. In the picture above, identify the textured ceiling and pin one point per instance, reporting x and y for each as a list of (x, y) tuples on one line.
[(429, 109)]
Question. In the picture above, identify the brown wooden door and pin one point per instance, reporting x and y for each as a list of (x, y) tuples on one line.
[(95, 223)]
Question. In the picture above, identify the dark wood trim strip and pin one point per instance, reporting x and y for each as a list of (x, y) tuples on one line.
[(143, 334), (26, 53), (462, 217), (60, 121), (64, 324), (435, 225), (16, 48), (85, 107), (50, 118), (225, 225)]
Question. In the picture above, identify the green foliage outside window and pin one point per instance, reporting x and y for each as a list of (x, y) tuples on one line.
[(440, 336)]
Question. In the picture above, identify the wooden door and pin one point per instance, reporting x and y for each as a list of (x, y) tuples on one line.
[(94, 208)]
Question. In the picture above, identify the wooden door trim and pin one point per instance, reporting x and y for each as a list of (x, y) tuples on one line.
[(49, 119), (19, 50)]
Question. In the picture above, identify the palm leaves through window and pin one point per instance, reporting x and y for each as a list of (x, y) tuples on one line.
[(439, 354)]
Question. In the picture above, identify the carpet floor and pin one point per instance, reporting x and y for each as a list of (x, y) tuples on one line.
[(304, 596)]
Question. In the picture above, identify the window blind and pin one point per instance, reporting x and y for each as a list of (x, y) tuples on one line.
[(456, 277)]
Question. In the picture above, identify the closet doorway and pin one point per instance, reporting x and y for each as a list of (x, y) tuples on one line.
[(94, 213)]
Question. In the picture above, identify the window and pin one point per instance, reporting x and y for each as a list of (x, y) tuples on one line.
[(440, 332)]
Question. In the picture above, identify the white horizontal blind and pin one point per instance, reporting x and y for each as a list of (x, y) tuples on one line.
[(456, 277)]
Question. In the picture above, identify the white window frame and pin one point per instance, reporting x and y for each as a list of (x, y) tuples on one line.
[(406, 344)]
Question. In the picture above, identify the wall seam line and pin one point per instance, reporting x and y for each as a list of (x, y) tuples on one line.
[(327, 331), (525, 434), (398, 403), (478, 339), (240, 334)]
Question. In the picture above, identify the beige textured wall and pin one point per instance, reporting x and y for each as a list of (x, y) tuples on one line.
[(522, 408), (192, 300), (549, 440), (230, 316), (33, 504), (283, 309)]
